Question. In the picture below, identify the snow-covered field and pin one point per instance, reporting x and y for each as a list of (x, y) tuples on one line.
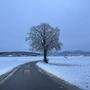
[(8, 63), (75, 70)]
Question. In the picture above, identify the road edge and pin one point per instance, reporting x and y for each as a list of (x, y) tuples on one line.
[(13, 71), (58, 80)]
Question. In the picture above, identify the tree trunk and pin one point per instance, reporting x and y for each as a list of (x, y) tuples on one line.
[(45, 56), (45, 48)]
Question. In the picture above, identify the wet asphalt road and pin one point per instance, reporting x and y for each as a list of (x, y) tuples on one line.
[(27, 77)]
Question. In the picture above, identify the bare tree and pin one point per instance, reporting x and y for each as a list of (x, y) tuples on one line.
[(44, 38)]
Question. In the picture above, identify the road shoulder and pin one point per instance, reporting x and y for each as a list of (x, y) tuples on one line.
[(64, 83)]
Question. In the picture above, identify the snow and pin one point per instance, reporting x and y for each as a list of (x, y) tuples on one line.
[(75, 70), (8, 63)]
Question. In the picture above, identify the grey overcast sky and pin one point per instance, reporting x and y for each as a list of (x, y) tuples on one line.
[(71, 16)]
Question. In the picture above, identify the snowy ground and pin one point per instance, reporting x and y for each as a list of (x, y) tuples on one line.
[(75, 70), (8, 63)]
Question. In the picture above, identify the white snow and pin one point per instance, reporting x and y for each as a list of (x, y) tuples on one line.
[(75, 70), (8, 63)]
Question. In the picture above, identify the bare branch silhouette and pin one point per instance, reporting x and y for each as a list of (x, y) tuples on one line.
[(44, 38)]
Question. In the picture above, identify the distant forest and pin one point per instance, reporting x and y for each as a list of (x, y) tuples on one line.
[(63, 53), (18, 53)]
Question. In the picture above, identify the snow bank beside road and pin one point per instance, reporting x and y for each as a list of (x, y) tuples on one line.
[(75, 70)]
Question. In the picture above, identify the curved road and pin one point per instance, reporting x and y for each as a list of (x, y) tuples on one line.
[(27, 77)]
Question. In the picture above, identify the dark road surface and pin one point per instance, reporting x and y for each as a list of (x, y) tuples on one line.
[(28, 77)]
